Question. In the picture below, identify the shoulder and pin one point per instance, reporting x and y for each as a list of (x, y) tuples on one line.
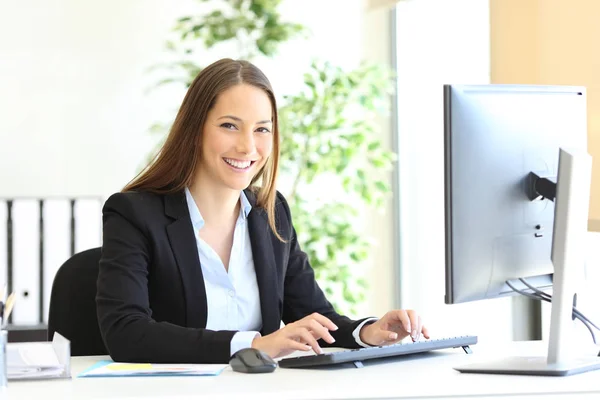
[(283, 216), (131, 204), (282, 207), (135, 198), (281, 204)]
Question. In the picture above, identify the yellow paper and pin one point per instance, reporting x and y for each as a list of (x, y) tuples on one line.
[(128, 367)]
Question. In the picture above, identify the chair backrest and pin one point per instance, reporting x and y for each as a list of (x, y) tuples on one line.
[(73, 304)]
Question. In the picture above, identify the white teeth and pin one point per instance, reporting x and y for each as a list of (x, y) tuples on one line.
[(238, 164)]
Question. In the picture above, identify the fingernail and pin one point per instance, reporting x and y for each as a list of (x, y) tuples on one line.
[(335, 328), (414, 334), (408, 329), (393, 336)]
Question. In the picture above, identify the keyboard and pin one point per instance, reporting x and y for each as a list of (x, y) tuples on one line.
[(356, 356)]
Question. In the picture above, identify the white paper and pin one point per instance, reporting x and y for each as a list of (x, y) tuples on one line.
[(36, 354), (32, 361), (37, 373)]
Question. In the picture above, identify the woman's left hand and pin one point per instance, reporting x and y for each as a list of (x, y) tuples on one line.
[(393, 327)]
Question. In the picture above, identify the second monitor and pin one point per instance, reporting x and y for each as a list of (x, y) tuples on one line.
[(511, 153), (496, 136)]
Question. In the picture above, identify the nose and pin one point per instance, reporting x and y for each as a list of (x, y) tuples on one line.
[(245, 143)]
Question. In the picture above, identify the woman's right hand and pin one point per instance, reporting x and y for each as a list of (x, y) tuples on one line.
[(300, 335)]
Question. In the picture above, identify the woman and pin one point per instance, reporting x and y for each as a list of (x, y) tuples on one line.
[(199, 255)]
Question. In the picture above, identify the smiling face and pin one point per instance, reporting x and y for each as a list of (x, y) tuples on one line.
[(237, 138)]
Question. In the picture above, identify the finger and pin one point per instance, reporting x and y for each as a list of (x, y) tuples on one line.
[(291, 344), (425, 332), (415, 324), (318, 331), (402, 317), (304, 335), (326, 322), (318, 336), (417, 329), (383, 337)]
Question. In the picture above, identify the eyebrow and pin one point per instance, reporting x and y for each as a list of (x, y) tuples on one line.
[(266, 121)]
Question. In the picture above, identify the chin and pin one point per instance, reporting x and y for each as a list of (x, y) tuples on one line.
[(239, 181), (238, 188), (237, 184)]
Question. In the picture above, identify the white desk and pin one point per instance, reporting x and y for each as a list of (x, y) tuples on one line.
[(423, 377)]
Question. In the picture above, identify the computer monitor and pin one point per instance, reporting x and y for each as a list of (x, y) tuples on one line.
[(505, 148)]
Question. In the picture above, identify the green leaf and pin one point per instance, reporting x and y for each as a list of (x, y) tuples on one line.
[(374, 146), (378, 163), (382, 186)]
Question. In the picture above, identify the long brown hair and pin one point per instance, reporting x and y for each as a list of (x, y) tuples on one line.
[(173, 167)]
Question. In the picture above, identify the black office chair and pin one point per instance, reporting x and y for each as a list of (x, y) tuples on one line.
[(73, 304)]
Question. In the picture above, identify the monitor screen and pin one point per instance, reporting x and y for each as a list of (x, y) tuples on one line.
[(495, 137)]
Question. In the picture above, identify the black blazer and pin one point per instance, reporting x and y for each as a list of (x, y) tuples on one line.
[(151, 300)]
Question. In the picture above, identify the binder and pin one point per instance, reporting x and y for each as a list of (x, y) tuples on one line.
[(88, 223), (45, 233), (57, 243), (26, 258), (3, 246)]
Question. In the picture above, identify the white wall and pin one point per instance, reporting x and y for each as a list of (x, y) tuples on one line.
[(438, 42), (72, 82), (73, 91)]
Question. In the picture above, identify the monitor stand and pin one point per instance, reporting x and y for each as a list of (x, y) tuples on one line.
[(570, 228)]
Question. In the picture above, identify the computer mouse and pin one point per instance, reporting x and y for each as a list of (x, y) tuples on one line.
[(252, 361)]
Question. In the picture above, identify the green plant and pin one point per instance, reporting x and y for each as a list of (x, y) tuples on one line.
[(328, 137), (329, 134), (254, 26)]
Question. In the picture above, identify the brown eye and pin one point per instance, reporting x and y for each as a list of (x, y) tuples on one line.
[(227, 125), (263, 130)]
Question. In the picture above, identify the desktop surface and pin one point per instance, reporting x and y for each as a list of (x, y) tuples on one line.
[(421, 376)]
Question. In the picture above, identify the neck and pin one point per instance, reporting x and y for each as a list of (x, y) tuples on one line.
[(215, 205)]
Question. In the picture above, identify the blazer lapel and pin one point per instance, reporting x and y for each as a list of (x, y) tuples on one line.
[(183, 242), (265, 267)]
